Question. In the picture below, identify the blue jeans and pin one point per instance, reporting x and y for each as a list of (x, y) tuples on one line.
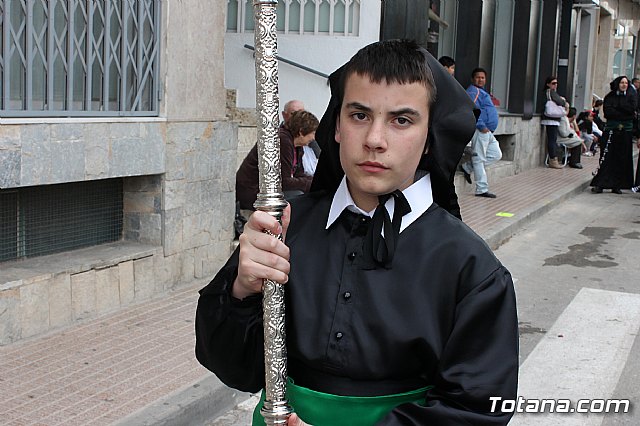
[(486, 151), (552, 138)]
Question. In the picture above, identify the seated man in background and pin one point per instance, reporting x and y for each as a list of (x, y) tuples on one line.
[(568, 135), (300, 130), (302, 126), (589, 131), (312, 150)]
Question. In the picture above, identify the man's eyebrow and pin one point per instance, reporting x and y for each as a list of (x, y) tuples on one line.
[(406, 111), (358, 106), (402, 111)]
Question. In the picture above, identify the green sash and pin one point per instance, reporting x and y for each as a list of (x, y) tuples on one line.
[(626, 125), (324, 409)]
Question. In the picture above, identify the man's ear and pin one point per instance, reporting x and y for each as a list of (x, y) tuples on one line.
[(426, 145), (337, 133)]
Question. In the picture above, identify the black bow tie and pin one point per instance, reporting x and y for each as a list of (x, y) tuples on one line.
[(379, 250)]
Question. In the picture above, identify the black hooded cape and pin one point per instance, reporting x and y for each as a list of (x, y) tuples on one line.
[(452, 124)]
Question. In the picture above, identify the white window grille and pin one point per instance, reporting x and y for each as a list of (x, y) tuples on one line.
[(79, 57), (310, 17)]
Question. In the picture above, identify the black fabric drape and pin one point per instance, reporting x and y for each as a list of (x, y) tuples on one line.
[(616, 168), (637, 182), (444, 315), (616, 146)]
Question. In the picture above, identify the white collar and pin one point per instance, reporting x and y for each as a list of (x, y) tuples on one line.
[(418, 195)]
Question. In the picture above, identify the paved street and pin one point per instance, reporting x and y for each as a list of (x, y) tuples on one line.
[(576, 272)]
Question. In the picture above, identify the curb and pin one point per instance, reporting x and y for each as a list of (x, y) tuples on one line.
[(193, 405), (496, 237)]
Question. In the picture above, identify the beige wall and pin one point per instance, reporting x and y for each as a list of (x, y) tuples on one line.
[(604, 61), (623, 12), (179, 173), (193, 60)]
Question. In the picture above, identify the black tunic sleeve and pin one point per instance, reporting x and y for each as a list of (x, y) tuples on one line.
[(618, 107), (229, 333), (480, 360)]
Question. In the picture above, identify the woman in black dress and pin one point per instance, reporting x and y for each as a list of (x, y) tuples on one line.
[(615, 171), (636, 188)]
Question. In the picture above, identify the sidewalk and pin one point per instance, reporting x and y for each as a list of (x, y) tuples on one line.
[(137, 367)]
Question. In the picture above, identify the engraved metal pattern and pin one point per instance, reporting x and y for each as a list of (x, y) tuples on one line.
[(276, 410), (267, 96)]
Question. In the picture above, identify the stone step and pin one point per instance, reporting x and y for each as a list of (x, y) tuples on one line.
[(195, 404), (495, 172)]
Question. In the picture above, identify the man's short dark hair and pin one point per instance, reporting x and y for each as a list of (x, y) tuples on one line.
[(634, 79), (392, 61), (447, 61), (477, 70), (572, 112)]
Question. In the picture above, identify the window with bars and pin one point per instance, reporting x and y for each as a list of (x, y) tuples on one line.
[(41, 220), (79, 57), (312, 17)]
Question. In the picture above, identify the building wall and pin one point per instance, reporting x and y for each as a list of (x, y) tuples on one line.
[(178, 174), (521, 139), (613, 14), (194, 60), (37, 152), (323, 53), (604, 64)]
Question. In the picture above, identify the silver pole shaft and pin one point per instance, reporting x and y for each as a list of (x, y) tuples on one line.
[(276, 409)]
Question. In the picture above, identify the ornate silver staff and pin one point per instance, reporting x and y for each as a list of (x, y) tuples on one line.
[(276, 409)]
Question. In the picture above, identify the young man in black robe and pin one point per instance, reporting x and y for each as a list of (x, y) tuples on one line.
[(410, 321)]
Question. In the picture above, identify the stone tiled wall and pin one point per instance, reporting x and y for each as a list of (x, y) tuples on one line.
[(48, 292), (247, 122), (42, 154), (522, 141), (142, 203), (199, 189), (178, 220), (247, 138)]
